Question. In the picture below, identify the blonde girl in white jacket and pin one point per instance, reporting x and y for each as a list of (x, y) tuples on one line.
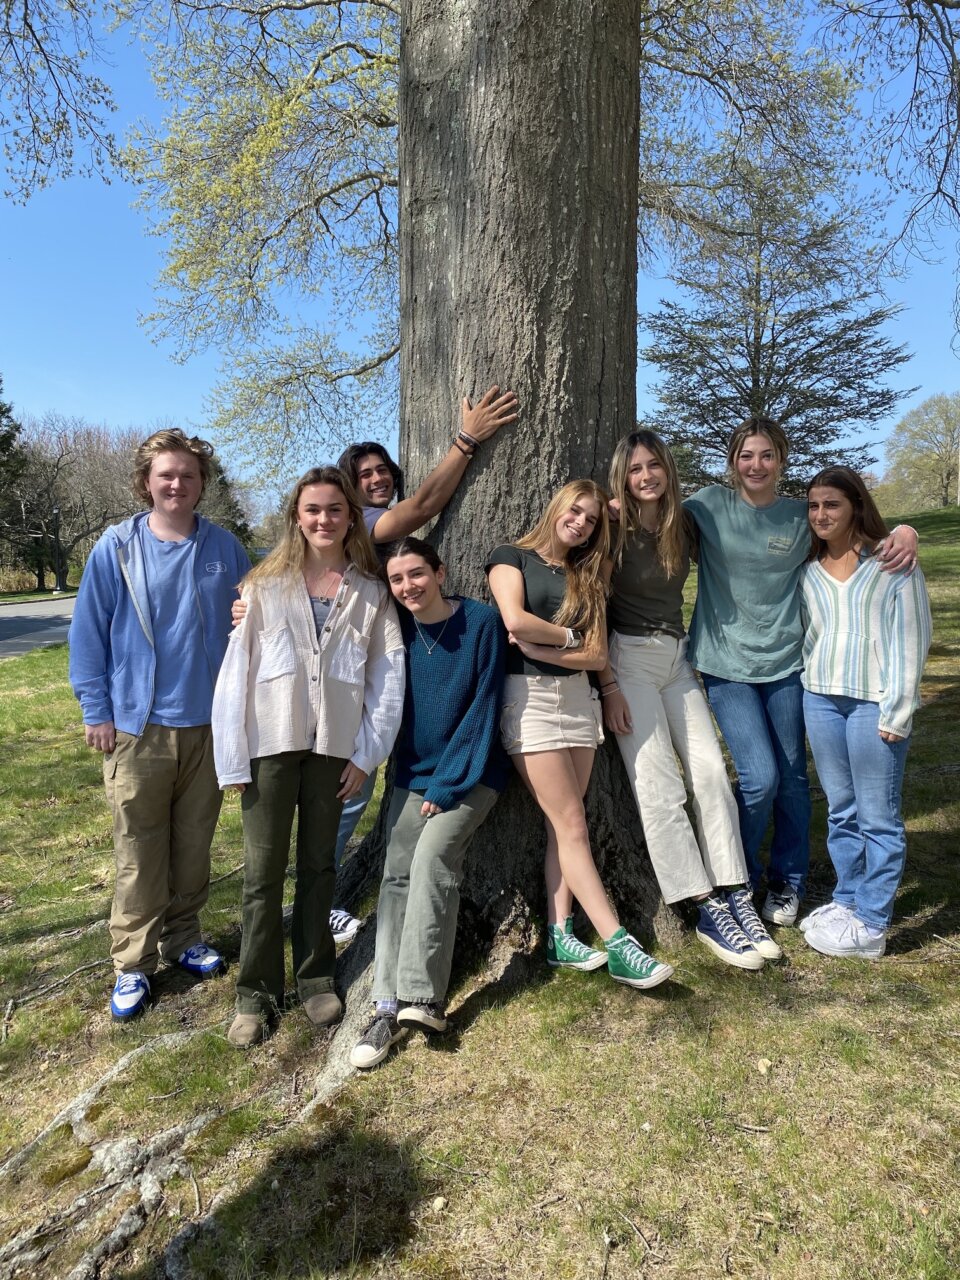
[(307, 704)]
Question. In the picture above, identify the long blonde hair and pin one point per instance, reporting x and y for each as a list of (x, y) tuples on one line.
[(286, 560), (672, 539), (584, 604)]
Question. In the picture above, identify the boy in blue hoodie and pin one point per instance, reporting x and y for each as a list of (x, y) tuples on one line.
[(148, 635)]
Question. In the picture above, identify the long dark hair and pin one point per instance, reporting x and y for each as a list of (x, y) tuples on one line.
[(868, 527), (349, 459)]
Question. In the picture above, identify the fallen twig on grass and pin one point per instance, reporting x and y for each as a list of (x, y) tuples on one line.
[(29, 996), (444, 1164), (227, 874), (630, 1223), (748, 1128), (7, 1019)]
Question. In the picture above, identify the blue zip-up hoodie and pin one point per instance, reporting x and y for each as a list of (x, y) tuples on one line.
[(112, 653)]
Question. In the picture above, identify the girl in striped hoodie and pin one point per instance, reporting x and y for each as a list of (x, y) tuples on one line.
[(867, 637)]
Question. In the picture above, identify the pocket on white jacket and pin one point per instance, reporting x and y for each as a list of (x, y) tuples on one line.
[(277, 654), (349, 660)]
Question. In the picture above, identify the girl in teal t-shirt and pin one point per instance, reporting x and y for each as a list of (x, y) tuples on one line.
[(746, 639)]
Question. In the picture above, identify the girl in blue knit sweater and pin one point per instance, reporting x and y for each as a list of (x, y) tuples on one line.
[(450, 768)]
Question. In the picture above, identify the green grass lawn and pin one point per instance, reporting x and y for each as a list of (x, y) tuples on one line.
[(802, 1123)]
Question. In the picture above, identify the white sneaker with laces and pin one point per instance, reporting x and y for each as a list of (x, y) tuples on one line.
[(846, 936), (821, 915), (782, 906), (343, 925)]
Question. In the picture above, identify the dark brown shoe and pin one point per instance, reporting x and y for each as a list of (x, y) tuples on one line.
[(323, 1009)]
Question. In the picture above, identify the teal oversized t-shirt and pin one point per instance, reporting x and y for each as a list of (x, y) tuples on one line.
[(746, 625)]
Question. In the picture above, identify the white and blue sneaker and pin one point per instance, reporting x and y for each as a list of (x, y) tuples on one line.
[(718, 930), (131, 995), (202, 961)]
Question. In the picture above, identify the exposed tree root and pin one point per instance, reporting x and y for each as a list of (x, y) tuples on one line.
[(136, 1172), (74, 1113)]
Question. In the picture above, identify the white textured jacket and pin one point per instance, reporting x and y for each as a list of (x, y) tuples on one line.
[(282, 689)]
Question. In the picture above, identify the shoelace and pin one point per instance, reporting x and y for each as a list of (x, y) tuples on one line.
[(579, 949), (730, 931), (340, 919), (750, 922), (781, 899), (631, 953), (128, 983)]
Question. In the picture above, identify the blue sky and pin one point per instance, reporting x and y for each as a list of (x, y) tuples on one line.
[(77, 271)]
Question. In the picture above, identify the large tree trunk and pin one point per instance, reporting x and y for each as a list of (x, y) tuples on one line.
[(518, 250)]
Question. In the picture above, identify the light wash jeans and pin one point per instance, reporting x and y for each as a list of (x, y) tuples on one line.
[(351, 815), (671, 718), (762, 724), (420, 894), (862, 776)]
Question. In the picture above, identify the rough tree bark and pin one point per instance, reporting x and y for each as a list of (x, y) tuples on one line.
[(518, 217)]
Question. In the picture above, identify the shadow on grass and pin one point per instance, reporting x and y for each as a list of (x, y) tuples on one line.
[(322, 1203)]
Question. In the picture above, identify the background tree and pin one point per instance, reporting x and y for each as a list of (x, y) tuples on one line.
[(274, 181), (923, 456), (74, 482), (222, 503), (11, 457), (53, 102), (781, 323)]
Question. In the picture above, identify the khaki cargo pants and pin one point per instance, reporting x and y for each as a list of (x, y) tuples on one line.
[(163, 793)]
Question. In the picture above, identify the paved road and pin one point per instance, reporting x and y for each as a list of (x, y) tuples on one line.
[(28, 626)]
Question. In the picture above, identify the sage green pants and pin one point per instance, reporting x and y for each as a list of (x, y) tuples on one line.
[(163, 794), (420, 894), (306, 784)]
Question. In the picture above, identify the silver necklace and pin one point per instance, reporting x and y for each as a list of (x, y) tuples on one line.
[(430, 647)]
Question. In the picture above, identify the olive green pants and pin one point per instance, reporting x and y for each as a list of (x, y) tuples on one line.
[(306, 784)]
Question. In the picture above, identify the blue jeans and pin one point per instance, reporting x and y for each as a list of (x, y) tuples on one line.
[(351, 815), (762, 724), (862, 776)]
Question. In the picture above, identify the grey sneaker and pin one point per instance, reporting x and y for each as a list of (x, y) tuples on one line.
[(428, 1015), (343, 925), (740, 902), (821, 915), (381, 1034), (781, 906), (847, 937)]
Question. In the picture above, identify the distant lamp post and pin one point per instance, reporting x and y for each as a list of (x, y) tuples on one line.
[(58, 584)]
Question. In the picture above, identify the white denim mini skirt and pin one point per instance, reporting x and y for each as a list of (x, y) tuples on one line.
[(549, 713)]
